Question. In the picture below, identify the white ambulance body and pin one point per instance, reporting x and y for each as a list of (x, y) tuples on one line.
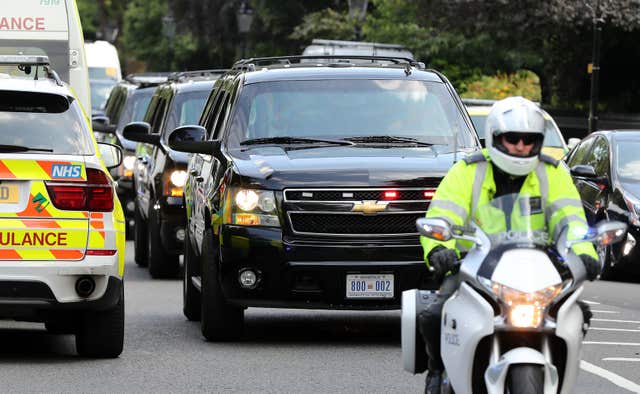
[(51, 28)]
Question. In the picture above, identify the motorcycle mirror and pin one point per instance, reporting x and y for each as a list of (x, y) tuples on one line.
[(435, 228)]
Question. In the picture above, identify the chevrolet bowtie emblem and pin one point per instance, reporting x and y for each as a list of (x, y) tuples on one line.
[(369, 206)]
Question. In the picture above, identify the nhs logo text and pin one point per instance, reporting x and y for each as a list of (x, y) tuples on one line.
[(66, 171)]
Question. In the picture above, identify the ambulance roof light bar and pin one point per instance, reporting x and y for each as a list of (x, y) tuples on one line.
[(25, 62)]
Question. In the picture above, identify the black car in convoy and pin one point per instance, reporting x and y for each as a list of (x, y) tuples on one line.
[(160, 172), (306, 183), (127, 102), (605, 168)]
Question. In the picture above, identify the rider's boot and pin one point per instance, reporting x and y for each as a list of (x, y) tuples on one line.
[(433, 383)]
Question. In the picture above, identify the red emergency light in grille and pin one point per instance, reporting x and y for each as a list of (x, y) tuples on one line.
[(390, 195)]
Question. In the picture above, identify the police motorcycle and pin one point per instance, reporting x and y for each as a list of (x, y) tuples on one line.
[(513, 325)]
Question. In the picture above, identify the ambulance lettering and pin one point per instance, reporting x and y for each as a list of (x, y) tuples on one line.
[(22, 23), (33, 239), (66, 171)]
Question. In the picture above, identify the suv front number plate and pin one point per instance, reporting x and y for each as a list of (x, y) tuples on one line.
[(9, 193), (370, 286)]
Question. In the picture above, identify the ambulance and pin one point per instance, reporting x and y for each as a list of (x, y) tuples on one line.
[(51, 28), (62, 229)]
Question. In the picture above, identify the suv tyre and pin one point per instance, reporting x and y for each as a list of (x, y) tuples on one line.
[(140, 239), (191, 298), (161, 264), (101, 333), (219, 320)]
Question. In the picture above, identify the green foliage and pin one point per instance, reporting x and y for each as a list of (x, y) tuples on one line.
[(143, 32), (88, 10), (327, 24), (521, 83)]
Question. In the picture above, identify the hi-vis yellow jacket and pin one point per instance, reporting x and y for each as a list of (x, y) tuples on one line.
[(469, 184)]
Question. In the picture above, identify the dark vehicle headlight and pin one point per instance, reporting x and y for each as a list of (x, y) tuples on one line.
[(252, 207)]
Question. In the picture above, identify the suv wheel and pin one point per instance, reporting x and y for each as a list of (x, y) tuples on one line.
[(219, 320), (161, 264), (101, 333), (140, 239), (190, 295)]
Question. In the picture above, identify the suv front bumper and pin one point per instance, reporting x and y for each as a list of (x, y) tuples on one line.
[(310, 275)]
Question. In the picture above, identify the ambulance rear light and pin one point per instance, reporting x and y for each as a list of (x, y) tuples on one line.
[(96, 194)]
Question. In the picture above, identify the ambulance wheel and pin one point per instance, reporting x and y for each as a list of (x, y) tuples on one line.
[(190, 295), (140, 239), (219, 320), (161, 263), (100, 334)]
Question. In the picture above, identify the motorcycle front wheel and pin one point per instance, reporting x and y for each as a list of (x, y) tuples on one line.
[(525, 379)]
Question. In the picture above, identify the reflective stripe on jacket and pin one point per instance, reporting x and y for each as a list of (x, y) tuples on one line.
[(469, 184)]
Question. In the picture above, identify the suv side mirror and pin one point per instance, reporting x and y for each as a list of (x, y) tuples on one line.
[(140, 132), (191, 139), (572, 143), (111, 154), (583, 170), (101, 124)]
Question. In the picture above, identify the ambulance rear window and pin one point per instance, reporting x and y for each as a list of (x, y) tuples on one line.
[(46, 123)]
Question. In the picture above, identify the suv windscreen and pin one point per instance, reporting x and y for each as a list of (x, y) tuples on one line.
[(339, 109), (46, 123), (100, 90), (186, 109), (136, 107)]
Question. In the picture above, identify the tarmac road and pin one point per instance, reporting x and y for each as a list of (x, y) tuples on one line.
[(283, 351)]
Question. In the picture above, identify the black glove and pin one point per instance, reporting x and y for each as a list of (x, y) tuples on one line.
[(442, 260), (591, 265)]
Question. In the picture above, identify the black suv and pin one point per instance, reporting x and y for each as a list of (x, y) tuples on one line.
[(306, 183), (127, 102), (160, 172)]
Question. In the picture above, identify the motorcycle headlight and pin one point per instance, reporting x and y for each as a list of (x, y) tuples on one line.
[(178, 178), (252, 207), (525, 310)]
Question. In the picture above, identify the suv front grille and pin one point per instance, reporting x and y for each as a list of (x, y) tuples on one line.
[(354, 224), (371, 212)]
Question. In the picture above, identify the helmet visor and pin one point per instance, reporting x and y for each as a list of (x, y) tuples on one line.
[(527, 138)]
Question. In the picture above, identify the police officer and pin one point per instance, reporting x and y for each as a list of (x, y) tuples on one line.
[(511, 163)]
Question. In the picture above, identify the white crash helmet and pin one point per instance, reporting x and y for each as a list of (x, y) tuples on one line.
[(514, 115)]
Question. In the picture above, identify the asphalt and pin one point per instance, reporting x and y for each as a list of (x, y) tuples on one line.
[(283, 351)]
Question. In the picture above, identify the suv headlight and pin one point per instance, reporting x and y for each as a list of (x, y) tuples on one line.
[(252, 207), (524, 310), (178, 178)]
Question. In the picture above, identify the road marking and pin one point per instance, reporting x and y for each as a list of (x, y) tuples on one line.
[(613, 329), (611, 343), (617, 321), (621, 359), (596, 311), (591, 302), (610, 376)]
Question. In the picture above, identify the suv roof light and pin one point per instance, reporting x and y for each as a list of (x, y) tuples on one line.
[(147, 79), (250, 64), (25, 62), (186, 75)]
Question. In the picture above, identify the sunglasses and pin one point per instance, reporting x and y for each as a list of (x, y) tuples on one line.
[(527, 139)]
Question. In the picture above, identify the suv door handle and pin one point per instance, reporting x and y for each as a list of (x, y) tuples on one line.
[(199, 178), (194, 172), (143, 160)]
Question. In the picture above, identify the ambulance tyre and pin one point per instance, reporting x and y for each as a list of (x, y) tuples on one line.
[(161, 263), (140, 239), (190, 294), (100, 334), (220, 321)]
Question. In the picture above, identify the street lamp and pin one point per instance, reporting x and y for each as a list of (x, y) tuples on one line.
[(594, 68), (169, 31), (358, 11), (244, 18)]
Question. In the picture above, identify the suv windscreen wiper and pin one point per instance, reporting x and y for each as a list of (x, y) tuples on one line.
[(20, 148), (293, 140), (387, 139)]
